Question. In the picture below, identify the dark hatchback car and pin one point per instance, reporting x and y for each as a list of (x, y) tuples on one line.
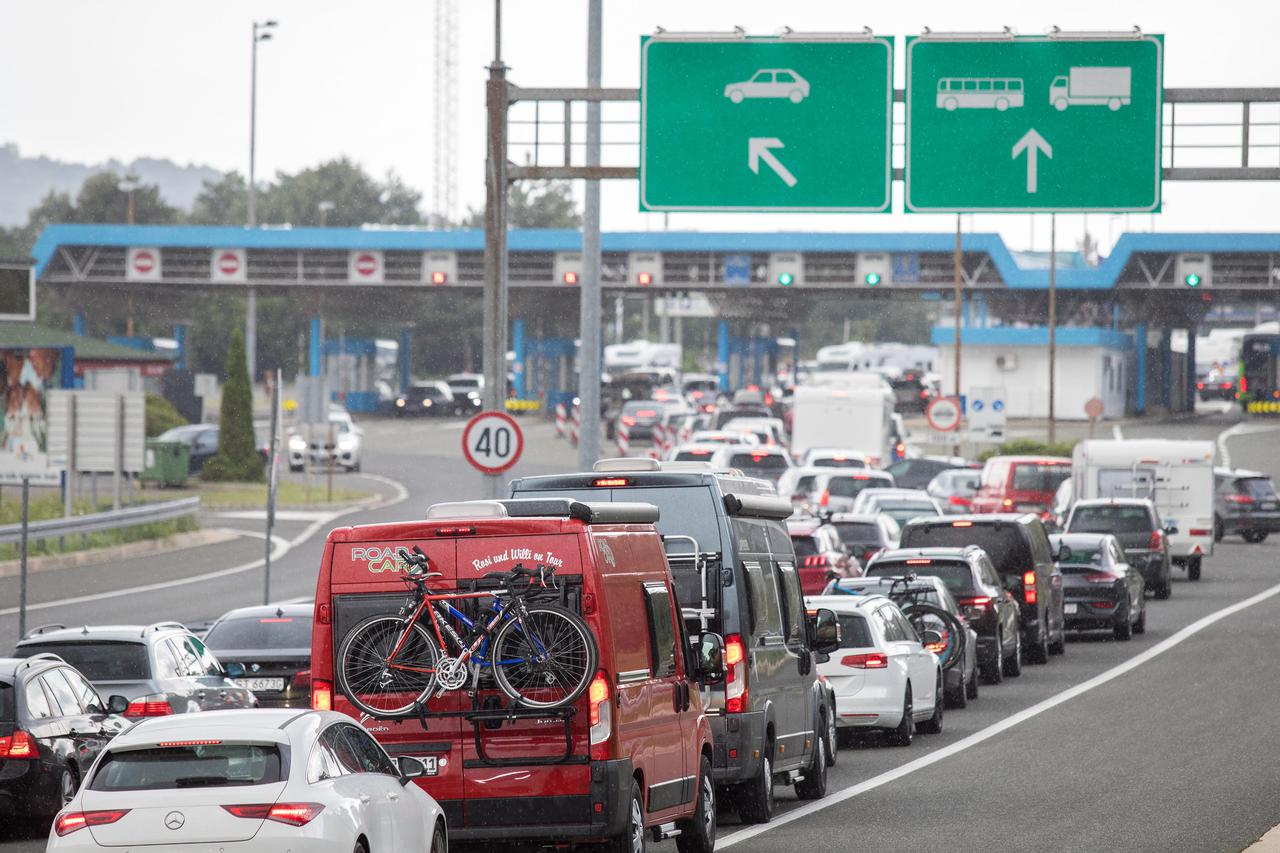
[(1244, 502), (1100, 590), (1136, 523), (273, 645), (1019, 549), (432, 399), (53, 724), (201, 441), (639, 417), (917, 472), (975, 585)]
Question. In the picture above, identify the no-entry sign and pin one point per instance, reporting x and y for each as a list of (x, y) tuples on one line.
[(142, 264), (365, 266), (943, 414), (492, 442), (228, 265)]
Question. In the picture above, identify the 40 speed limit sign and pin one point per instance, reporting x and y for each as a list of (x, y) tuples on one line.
[(492, 442)]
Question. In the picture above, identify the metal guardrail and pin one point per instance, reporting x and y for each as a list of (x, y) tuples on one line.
[(96, 522)]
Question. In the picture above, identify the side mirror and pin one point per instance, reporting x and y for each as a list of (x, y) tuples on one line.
[(826, 631), (711, 658), (1062, 554), (1170, 529), (410, 768), (117, 704), (234, 670)]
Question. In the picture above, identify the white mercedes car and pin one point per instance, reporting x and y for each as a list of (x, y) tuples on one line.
[(265, 780)]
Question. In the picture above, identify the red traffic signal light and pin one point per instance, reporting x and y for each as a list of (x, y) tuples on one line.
[(571, 278), (644, 279), (439, 277)]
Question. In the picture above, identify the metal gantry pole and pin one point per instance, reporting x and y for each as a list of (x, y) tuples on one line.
[(589, 359), (958, 276), (1053, 324), (494, 345), (22, 557), (273, 482)]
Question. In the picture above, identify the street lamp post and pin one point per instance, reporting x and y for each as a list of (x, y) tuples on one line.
[(127, 185), (325, 207), (261, 32)]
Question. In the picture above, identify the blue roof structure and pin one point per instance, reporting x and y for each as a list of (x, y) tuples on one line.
[(1034, 276)]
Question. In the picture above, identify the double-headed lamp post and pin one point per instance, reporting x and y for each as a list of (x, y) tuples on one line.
[(261, 32)]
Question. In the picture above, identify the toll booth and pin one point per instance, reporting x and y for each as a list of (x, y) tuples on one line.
[(548, 371), (355, 366)]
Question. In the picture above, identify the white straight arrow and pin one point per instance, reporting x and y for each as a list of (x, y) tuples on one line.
[(758, 149), (1032, 143)]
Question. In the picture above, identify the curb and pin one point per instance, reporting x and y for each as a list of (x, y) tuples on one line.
[(144, 548), (1269, 843)]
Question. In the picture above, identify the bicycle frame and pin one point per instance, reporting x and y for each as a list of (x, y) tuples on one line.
[(476, 651)]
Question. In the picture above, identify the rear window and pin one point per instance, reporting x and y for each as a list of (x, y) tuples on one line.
[(1004, 542), (99, 661), (957, 576), (683, 510), (854, 633), (806, 546), (858, 532), (7, 704), (198, 766), (1110, 519), (693, 455), (838, 462), (850, 487), (261, 632), (1034, 477), (1258, 488), (758, 462), (1083, 557)]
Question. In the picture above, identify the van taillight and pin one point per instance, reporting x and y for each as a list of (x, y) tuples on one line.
[(608, 482), (826, 497), (321, 696), (601, 716), (735, 675), (465, 530), (1029, 587), (815, 561)]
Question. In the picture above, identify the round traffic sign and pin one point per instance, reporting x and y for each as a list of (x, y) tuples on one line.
[(1094, 408), (144, 261), (228, 263), (366, 264), (492, 442), (976, 405), (943, 414)]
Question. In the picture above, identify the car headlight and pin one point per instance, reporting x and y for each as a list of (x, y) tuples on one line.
[(474, 395), (297, 443), (426, 404), (347, 442), (475, 401), (400, 402)]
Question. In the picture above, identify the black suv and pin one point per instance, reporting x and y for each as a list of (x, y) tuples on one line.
[(1244, 502), (1019, 549), (53, 724), (974, 583), (735, 573)]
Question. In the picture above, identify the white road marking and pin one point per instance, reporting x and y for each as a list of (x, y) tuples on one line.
[(1242, 428), (281, 547), (1001, 726)]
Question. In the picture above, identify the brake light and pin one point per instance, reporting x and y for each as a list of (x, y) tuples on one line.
[(1244, 385), (1100, 577), (860, 476), (815, 561), (188, 742), (18, 745), (294, 814), (735, 676), (1157, 540), (919, 562), (871, 660), (1226, 386), (1029, 587), (826, 497), (275, 619), (699, 452), (69, 822), (756, 456), (462, 530), (322, 696), (957, 500), (149, 706), (629, 421), (1007, 502), (937, 648), (1199, 386), (1199, 531), (610, 481), (1240, 499), (869, 553), (644, 413), (962, 524), (601, 716), (840, 457)]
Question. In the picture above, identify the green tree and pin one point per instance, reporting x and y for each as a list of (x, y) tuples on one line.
[(237, 457), (222, 202), (535, 204), (357, 198)]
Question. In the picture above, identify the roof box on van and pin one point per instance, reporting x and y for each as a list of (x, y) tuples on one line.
[(592, 513), (758, 506)]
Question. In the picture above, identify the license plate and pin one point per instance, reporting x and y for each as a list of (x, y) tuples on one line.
[(261, 683), (432, 763), (1070, 609)]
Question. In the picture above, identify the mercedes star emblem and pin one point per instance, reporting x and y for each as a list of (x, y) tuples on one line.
[(174, 820)]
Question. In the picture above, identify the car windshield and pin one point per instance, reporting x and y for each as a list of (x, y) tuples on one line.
[(99, 661), (1258, 488), (806, 546), (1110, 519), (1002, 541), (1037, 477), (265, 632), (854, 633), (199, 765), (858, 532), (850, 487), (957, 576)]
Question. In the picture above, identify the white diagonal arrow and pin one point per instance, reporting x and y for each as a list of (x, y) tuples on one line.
[(758, 149), (1032, 143)]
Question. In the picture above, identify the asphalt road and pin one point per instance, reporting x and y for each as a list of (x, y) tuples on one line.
[(1163, 743)]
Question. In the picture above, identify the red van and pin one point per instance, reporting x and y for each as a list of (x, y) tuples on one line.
[(1020, 484), (629, 760)]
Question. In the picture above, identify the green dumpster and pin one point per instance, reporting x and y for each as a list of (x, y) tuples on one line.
[(166, 462)]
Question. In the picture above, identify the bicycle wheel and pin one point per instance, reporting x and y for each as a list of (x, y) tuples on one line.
[(373, 686), (545, 657), (926, 617)]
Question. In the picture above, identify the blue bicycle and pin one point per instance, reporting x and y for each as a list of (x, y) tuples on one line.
[(541, 655)]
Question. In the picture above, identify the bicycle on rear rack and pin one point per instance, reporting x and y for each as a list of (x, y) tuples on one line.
[(913, 601), (540, 655)]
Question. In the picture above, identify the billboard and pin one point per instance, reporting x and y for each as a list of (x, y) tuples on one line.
[(26, 377)]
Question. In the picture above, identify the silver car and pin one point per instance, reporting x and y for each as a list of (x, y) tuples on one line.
[(161, 669)]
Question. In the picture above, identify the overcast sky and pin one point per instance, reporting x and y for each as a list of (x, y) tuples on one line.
[(87, 80)]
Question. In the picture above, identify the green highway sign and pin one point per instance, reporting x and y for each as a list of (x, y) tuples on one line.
[(1034, 124), (766, 124)]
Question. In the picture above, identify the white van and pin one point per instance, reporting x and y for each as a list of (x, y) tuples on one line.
[(1177, 476), (854, 418)]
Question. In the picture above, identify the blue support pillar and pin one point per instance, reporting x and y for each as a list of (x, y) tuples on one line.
[(67, 367), (517, 363), (1115, 316), (77, 325), (722, 354), (757, 356), (1190, 388), (180, 336), (404, 357), (1140, 369), (313, 362), (982, 313), (1166, 369)]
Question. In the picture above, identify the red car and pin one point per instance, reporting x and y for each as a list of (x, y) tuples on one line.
[(629, 758), (821, 555), (1020, 484)]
